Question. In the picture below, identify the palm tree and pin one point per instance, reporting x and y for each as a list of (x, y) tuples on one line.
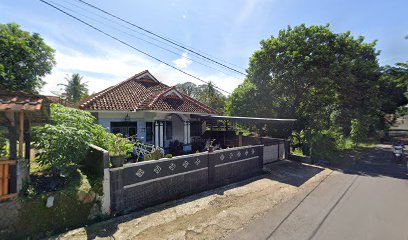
[(75, 90)]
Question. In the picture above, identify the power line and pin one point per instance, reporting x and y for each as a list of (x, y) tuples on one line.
[(161, 37), (129, 45), (131, 35)]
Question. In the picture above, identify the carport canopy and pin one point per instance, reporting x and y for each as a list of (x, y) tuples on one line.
[(243, 120)]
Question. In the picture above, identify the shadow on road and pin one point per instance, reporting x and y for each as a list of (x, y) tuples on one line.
[(292, 173), (376, 162)]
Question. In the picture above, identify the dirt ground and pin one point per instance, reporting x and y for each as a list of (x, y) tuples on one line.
[(213, 214)]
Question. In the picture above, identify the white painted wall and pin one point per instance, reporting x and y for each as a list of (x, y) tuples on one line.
[(105, 118), (178, 129)]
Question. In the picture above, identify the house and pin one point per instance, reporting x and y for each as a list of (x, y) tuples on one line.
[(154, 112)]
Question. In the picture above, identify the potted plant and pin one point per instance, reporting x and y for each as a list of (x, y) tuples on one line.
[(211, 147), (119, 149)]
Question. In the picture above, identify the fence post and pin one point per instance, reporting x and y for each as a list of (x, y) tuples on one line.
[(106, 199), (211, 168), (260, 152)]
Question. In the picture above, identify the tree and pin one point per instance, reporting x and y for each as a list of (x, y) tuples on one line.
[(187, 88), (205, 93), (75, 90), (24, 59), (393, 87), (210, 96), (321, 78)]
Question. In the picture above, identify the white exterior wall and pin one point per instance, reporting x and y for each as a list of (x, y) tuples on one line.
[(178, 129), (106, 117)]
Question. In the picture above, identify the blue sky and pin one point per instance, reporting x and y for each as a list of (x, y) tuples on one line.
[(229, 30)]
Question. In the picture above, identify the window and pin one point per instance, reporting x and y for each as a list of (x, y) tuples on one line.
[(149, 132), (195, 129), (168, 130), (125, 128)]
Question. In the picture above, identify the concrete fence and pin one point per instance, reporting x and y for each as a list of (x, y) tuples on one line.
[(143, 184)]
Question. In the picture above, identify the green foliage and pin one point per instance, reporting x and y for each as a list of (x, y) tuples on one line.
[(310, 73), (206, 93), (24, 59), (75, 90), (359, 130), (60, 146), (241, 101), (323, 146), (168, 155), (64, 142), (394, 83), (188, 88), (120, 146), (3, 144), (155, 155)]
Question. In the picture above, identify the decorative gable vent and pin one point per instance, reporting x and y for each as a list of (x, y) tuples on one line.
[(147, 77), (173, 94)]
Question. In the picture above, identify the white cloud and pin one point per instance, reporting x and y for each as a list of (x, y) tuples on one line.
[(183, 62), (113, 66)]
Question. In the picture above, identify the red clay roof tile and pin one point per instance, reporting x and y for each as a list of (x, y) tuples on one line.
[(143, 92)]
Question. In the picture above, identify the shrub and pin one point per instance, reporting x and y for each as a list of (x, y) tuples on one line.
[(168, 155), (155, 155), (65, 141), (120, 146), (359, 130), (323, 146)]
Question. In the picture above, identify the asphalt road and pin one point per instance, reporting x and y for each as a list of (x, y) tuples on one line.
[(366, 201)]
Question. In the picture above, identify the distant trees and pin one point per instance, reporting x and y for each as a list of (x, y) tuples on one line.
[(188, 88), (205, 93), (393, 87), (24, 59), (325, 80), (75, 89)]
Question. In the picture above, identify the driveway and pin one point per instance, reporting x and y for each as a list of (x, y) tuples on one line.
[(366, 201)]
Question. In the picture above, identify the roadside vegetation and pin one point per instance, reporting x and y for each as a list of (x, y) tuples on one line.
[(330, 82)]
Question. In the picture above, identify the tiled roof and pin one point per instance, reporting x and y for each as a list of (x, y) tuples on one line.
[(17, 101), (143, 92), (58, 100)]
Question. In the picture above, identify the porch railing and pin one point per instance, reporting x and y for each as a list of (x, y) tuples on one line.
[(5, 193)]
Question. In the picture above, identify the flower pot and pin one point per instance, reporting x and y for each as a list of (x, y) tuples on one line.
[(117, 161)]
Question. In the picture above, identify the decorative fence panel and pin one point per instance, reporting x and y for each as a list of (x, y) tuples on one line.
[(143, 184)]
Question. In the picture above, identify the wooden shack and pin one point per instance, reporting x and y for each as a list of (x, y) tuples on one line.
[(19, 111)]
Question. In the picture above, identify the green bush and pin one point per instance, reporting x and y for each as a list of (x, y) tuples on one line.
[(120, 146), (155, 155), (323, 146), (65, 141), (168, 155), (359, 130)]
